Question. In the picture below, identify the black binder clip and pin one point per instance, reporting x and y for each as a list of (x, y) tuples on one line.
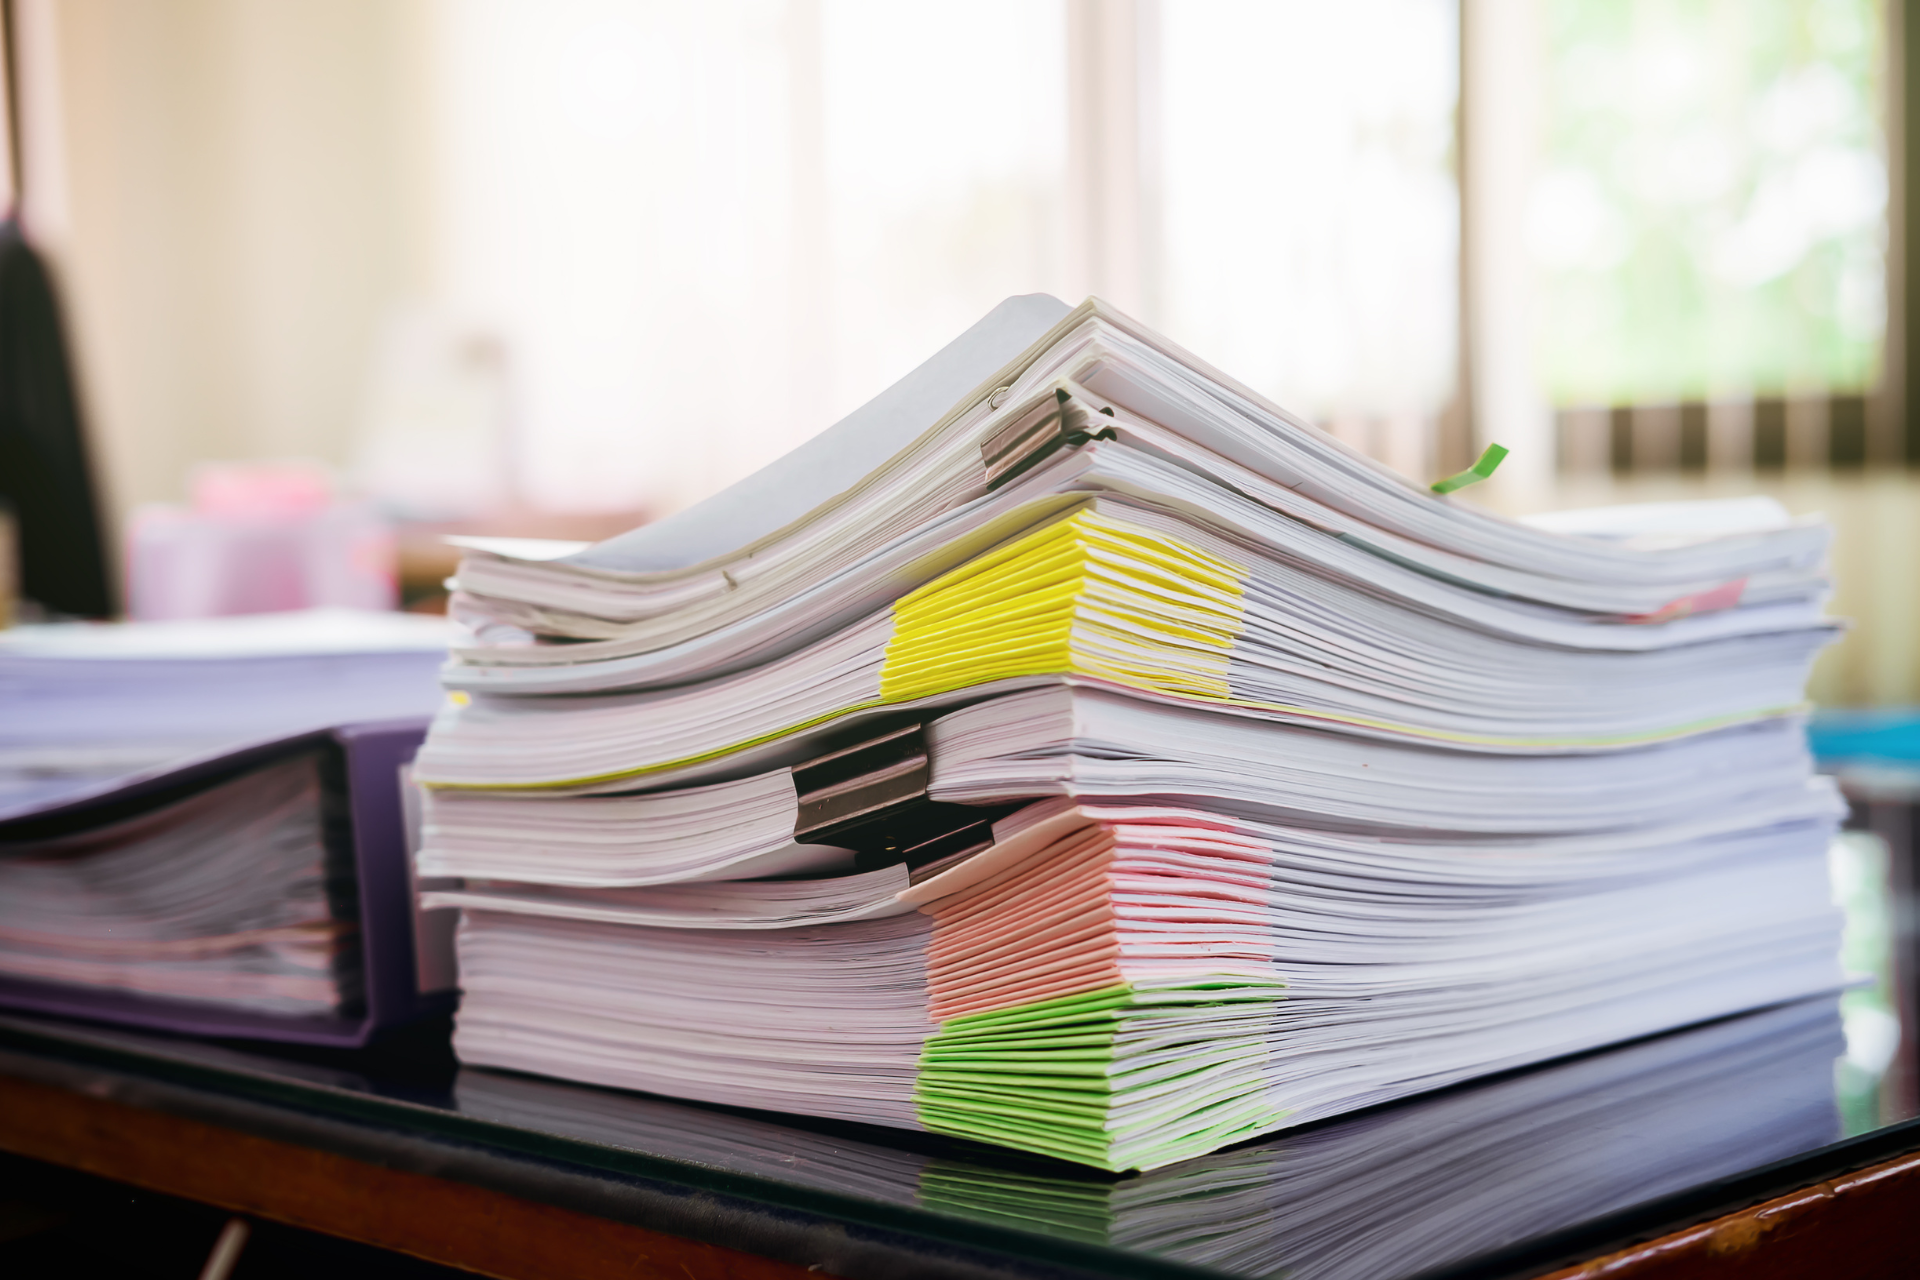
[(872, 798), (1037, 434)]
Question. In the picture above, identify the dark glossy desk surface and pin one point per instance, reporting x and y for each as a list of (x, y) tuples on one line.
[(1505, 1177)]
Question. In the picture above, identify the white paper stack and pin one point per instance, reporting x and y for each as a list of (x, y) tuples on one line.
[(86, 706), (1143, 769)]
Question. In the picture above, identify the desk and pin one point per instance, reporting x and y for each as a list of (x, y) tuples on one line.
[(1719, 1144)]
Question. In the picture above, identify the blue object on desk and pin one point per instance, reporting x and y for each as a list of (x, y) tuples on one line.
[(1866, 737)]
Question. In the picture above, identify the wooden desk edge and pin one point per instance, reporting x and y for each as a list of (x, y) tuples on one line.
[(451, 1223), (1858, 1224)]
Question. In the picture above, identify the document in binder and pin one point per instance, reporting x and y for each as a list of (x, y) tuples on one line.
[(261, 892)]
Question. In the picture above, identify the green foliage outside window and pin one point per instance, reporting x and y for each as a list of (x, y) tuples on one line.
[(1709, 215)]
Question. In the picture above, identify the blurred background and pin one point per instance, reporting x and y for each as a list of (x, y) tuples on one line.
[(555, 267), (340, 277)]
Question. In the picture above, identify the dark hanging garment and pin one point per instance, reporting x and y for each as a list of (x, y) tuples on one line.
[(44, 472)]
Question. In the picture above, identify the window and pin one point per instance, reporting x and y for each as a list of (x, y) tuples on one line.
[(701, 233), (706, 231), (1708, 217), (1311, 216)]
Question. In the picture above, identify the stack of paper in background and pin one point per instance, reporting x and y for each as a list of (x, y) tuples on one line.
[(1074, 751), (86, 706), (201, 822)]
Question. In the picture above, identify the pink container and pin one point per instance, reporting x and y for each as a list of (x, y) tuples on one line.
[(259, 538)]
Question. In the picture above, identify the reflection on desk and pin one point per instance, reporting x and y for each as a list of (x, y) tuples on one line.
[(1387, 1193), (1502, 1177)]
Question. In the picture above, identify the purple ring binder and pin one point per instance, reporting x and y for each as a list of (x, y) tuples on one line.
[(374, 754)]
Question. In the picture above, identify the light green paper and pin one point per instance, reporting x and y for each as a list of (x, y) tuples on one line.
[(1494, 455)]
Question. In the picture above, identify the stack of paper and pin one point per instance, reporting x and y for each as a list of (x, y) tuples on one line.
[(86, 706), (1146, 770)]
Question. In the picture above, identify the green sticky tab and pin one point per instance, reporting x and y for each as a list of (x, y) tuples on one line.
[(1474, 474)]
